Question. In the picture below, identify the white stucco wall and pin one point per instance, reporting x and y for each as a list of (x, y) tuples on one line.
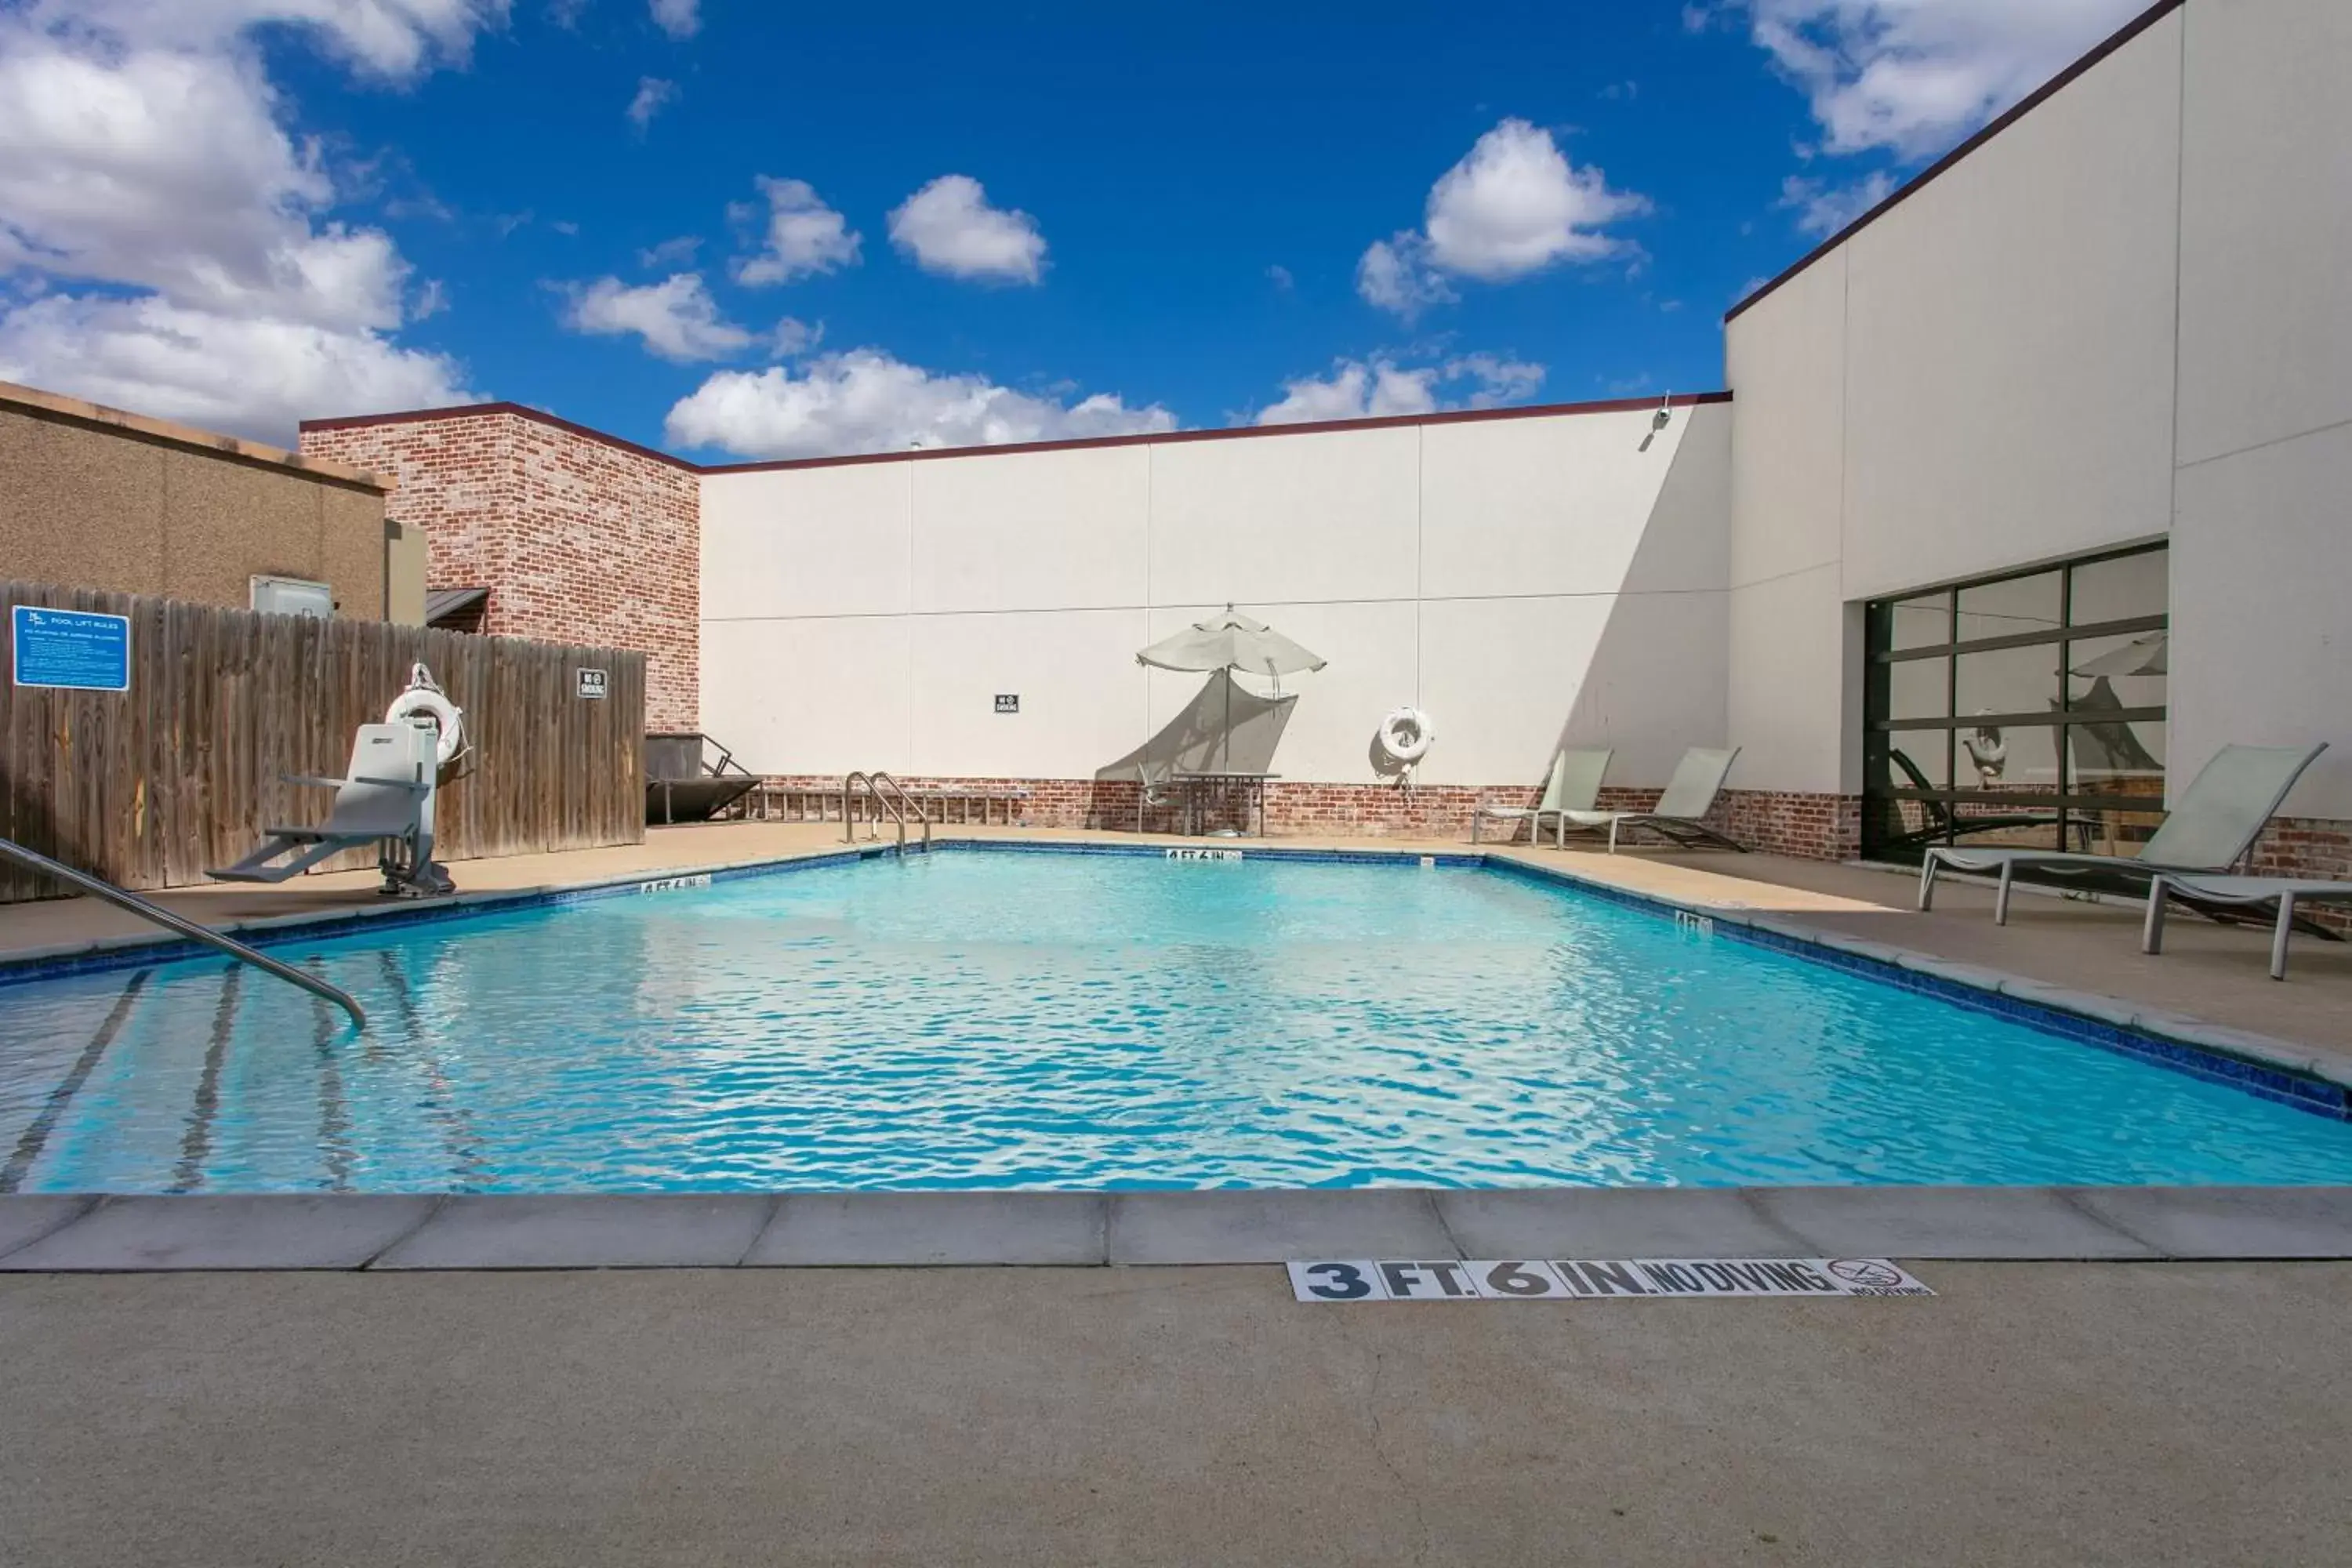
[(1979, 379), (2262, 536), (1527, 580), (2121, 319)]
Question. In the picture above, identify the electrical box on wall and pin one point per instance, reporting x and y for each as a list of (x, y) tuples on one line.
[(292, 596)]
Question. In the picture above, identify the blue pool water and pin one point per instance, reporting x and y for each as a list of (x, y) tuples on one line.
[(1026, 1020)]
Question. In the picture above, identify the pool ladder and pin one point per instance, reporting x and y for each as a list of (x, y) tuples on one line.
[(123, 899), (888, 795)]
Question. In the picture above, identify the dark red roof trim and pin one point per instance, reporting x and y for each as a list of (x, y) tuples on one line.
[(1457, 417), (2024, 106)]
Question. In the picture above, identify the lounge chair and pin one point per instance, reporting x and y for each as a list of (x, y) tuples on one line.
[(1690, 796), (2223, 897), (2221, 813), (1943, 822), (1574, 785), (386, 798)]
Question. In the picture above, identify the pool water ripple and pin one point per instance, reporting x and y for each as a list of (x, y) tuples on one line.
[(1004, 1020)]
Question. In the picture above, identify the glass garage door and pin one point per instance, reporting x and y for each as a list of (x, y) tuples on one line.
[(2023, 710)]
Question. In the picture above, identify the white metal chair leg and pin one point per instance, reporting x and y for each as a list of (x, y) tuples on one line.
[(1927, 882), (2000, 898), (2278, 936), (2151, 929), (1612, 835)]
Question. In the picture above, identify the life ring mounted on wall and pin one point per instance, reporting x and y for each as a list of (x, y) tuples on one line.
[(1407, 735)]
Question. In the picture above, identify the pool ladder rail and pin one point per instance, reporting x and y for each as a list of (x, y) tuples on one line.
[(147, 909), (888, 795)]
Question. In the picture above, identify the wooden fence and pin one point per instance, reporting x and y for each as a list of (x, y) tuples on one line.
[(152, 786)]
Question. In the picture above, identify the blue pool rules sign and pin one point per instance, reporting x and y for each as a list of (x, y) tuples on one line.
[(83, 650)]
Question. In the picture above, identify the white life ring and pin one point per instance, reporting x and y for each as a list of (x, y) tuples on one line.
[(1406, 734), (445, 714)]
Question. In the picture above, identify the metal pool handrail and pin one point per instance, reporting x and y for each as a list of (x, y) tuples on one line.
[(123, 899), (896, 803)]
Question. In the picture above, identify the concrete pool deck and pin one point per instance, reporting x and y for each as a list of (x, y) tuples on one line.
[(2061, 1414)]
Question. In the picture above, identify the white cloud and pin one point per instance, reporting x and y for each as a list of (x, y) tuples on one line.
[(1360, 390), (677, 252), (1825, 208), (676, 318), (865, 400), (1499, 381), (1916, 76), (1353, 391), (792, 337), (397, 39), (167, 171), (802, 236), (1512, 206), (679, 18), (143, 150), (1515, 205), (247, 376), (1279, 276), (1395, 274), (947, 226), (654, 95)]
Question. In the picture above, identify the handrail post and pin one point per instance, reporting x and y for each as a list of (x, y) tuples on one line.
[(122, 898)]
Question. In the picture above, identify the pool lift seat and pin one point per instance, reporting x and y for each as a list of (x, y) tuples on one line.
[(386, 798)]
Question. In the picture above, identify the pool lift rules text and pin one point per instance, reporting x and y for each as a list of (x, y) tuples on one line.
[(1587, 1279)]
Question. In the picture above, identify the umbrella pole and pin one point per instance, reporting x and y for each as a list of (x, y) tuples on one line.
[(1228, 747)]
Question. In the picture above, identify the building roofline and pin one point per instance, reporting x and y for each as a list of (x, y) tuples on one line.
[(54, 405), (2017, 111), (1226, 433), (1456, 416), (481, 410)]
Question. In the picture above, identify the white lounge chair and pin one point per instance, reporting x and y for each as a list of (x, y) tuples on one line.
[(1574, 785), (2225, 896), (1689, 796), (2220, 814), (386, 798)]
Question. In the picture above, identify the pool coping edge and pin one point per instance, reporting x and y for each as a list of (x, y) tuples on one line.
[(484, 1232)]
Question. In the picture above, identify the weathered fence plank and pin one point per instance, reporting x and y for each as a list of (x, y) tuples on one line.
[(149, 787)]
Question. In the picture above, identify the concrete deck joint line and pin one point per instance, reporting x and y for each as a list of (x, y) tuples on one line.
[(422, 1221), (42, 1217)]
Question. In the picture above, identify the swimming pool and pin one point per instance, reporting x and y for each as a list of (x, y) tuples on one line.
[(1083, 1021)]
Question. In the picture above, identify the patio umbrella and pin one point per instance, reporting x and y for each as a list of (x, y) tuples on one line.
[(1231, 641), (2141, 656)]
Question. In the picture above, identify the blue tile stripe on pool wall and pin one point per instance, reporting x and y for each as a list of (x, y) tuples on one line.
[(2302, 1091)]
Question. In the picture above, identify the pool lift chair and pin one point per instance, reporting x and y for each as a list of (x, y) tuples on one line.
[(385, 798)]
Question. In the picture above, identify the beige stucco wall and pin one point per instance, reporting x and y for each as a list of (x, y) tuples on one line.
[(93, 498)]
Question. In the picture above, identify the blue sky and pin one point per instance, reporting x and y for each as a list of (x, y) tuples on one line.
[(745, 229)]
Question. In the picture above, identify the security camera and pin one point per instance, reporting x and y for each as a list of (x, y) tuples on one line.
[(1658, 421)]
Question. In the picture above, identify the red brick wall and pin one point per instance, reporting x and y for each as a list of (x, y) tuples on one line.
[(1352, 810), (578, 540), (1808, 826), (2313, 847)]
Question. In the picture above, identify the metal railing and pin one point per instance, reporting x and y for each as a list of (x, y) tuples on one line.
[(897, 803), (123, 899)]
